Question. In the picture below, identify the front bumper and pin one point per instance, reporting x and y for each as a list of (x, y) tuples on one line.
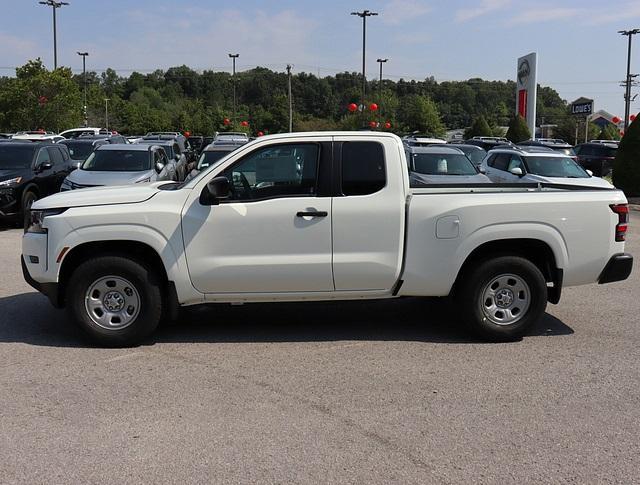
[(50, 290), (617, 269), (8, 202)]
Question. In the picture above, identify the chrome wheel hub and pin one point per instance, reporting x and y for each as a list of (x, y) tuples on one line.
[(506, 299), (112, 302)]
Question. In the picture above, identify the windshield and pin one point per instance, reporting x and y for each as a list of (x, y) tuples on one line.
[(118, 161), (442, 164), (15, 157), (79, 150), (555, 167), (209, 158)]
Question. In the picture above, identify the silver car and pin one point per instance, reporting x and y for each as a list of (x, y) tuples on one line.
[(441, 164), (122, 165)]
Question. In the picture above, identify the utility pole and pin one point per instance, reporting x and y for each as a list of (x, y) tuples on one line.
[(628, 81), (234, 57), (84, 76), (381, 62), (54, 5), (290, 99), (364, 14), (106, 113)]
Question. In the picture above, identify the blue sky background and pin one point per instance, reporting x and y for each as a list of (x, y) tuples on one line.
[(579, 50)]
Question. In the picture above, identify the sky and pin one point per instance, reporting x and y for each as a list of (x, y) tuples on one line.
[(579, 50)]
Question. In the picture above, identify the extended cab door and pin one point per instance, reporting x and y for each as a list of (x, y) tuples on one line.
[(368, 213), (273, 234)]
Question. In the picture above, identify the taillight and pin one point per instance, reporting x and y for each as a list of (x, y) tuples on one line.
[(623, 220)]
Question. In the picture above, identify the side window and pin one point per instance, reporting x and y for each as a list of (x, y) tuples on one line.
[(501, 162), (363, 168), (491, 159), (65, 152), (55, 155), (515, 162), (43, 156), (276, 171)]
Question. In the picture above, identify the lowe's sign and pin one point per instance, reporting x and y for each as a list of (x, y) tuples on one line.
[(582, 106)]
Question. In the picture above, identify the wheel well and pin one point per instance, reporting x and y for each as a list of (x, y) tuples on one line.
[(132, 249), (536, 251), (31, 188)]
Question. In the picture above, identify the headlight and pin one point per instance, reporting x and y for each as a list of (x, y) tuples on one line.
[(16, 180), (37, 217)]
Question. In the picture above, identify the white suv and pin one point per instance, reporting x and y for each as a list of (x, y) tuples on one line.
[(535, 164)]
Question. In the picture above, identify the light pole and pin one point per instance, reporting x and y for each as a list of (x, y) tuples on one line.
[(627, 91), (84, 76), (364, 14), (234, 57), (54, 5), (290, 99), (106, 113), (381, 62)]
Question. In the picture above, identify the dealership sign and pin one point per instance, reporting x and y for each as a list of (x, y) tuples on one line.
[(527, 82), (582, 107)]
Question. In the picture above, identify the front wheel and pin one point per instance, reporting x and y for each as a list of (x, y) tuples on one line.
[(27, 201), (502, 298), (115, 300)]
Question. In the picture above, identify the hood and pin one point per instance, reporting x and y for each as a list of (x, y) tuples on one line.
[(584, 182), (130, 194), (89, 178), (422, 178), (13, 173)]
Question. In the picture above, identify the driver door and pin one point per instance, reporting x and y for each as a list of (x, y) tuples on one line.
[(273, 234)]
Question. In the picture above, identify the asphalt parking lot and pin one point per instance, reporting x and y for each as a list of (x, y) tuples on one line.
[(365, 392)]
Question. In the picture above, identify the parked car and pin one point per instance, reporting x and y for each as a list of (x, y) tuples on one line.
[(488, 142), (173, 151), (121, 165), (210, 155), (319, 216), (606, 142), (28, 172), (416, 140), (76, 132), (441, 164), (533, 164), (37, 136), (597, 157), (81, 147), (554, 144), (473, 152), (230, 137)]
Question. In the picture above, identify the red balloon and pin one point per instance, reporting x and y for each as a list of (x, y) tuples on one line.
[(373, 107), (373, 124), (615, 120), (245, 123), (352, 107), (632, 117), (260, 133), (621, 132), (387, 125), (226, 121), (187, 134)]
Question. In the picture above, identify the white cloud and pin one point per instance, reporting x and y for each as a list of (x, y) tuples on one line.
[(485, 7), (542, 14), (399, 11), (18, 48)]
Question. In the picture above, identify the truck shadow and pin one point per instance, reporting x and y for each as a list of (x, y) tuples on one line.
[(29, 318)]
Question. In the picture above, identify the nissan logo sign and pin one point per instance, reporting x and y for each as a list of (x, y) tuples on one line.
[(523, 72)]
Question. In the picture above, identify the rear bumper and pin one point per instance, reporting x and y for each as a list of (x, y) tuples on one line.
[(617, 269), (50, 290)]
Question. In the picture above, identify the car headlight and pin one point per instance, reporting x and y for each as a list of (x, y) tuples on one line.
[(14, 181), (37, 217)]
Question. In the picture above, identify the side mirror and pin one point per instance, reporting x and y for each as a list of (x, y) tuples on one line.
[(44, 166), (590, 173), (516, 171), (159, 167), (215, 191), (177, 157), (482, 170)]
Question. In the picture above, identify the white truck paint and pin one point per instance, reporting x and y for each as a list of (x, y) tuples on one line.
[(396, 241)]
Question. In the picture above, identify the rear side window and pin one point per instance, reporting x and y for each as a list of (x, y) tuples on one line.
[(56, 156), (363, 170)]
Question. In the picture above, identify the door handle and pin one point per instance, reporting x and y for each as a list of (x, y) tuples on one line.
[(312, 214)]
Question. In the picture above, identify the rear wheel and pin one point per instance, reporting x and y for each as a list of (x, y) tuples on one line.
[(115, 300), (502, 298)]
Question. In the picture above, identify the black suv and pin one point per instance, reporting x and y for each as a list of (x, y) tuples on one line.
[(597, 157), (28, 172)]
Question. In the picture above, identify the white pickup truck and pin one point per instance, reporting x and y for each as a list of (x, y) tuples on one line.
[(319, 216)]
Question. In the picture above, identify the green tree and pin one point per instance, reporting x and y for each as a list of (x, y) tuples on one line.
[(626, 166), (609, 132), (518, 130), (480, 127), (420, 113)]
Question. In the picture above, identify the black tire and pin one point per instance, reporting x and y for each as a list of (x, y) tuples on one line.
[(138, 278), (28, 198), (515, 279)]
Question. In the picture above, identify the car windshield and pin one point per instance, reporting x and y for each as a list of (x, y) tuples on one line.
[(555, 167), (442, 164), (15, 157), (209, 158), (79, 150), (118, 161)]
